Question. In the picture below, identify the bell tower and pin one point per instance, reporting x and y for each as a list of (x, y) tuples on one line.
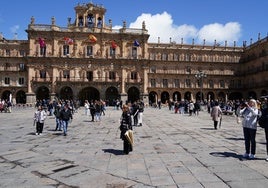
[(90, 16)]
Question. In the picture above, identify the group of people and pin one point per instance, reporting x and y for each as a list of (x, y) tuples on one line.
[(63, 115), (5, 106), (96, 108)]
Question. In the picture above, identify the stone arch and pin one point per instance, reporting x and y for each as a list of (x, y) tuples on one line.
[(133, 94), (89, 93), (176, 96), (164, 97), (111, 94), (152, 97), (66, 93), (21, 97), (42, 93)]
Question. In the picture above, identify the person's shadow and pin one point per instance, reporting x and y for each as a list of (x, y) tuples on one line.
[(231, 154), (113, 151)]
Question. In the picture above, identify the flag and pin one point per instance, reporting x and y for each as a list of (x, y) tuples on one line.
[(92, 38), (136, 43), (68, 40), (42, 42), (113, 45)]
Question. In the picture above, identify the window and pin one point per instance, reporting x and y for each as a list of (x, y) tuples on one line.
[(176, 83), (65, 49), (21, 81), (66, 74), (89, 75), (210, 84), (89, 50), (112, 51), (21, 67), (22, 53), (99, 24), (188, 82), (153, 69), (112, 75), (164, 57), (153, 83), (222, 85), (42, 74), (80, 21), (7, 80), (90, 21), (7, 66), (134, 52), (133, 76), (7, 52), (165, 83)]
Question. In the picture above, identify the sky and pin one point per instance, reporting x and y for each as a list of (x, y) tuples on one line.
[(209, 20)]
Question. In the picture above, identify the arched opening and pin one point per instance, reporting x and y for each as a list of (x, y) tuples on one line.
[(42, 93), (210, 96), (187, 96), (152, 98), (164, 97), (221, 96), (111, 95), (21, 97), (176, 96), (66, 93), (89, 93), (235, 96), (252, 95), (6, 95), (133, 94)]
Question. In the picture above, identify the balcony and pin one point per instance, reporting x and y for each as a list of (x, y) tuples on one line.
[(38, 79)]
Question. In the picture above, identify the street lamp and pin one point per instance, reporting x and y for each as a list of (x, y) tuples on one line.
[(200, 76)]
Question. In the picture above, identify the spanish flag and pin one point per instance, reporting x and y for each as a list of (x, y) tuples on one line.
[(92, 38), (68, 40), (113, 45)]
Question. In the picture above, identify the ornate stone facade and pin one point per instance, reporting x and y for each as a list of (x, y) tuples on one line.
[(90, 60)]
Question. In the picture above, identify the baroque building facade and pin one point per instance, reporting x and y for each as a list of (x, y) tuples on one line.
[(90, 60)]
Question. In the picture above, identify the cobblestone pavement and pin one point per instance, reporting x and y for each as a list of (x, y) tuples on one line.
[(171, 150)]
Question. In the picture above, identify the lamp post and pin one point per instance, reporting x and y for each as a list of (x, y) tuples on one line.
[(200, 76)]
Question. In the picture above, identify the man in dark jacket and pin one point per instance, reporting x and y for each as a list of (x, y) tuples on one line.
[(65, 116)]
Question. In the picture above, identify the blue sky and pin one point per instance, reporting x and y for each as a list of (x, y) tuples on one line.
[(220, 20)]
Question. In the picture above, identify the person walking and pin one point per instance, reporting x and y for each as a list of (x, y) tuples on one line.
[(249, 112), (140, 112), (216, 113), (57, 117), (65, 116), (92, 108), (125, 125), (39, 117)]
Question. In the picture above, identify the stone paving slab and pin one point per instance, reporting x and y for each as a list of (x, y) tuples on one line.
[(171, 150)]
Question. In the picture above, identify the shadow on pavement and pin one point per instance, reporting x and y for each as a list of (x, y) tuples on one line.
[(114, 151), (231, 154)]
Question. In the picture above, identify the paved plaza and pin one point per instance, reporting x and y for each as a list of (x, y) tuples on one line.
[(171, 150)]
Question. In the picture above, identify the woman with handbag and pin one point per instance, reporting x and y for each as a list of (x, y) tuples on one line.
[(125, 125)]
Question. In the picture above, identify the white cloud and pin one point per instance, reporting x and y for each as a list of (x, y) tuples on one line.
[(161, 25), (14, 28), (219, 32)]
